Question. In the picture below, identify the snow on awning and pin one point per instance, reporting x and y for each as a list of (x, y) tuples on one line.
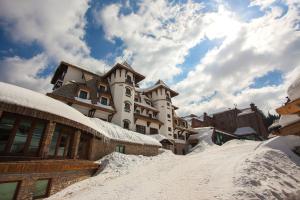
[(244, 131), (15, 95)]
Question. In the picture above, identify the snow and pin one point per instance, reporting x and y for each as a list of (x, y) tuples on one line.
[(293, 94), (294, 89), (159, 137), (236, 170), (117, 133), (244, 131), (204, 140), (88, 101), (23, 97), (27, 98), (246, 112)]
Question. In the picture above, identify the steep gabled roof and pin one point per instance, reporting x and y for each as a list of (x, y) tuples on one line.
[(138, 77), (159, 84), (64, 65)]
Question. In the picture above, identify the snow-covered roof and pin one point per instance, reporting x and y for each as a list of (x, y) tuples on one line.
[(159, 137), (27, 98), (244, 131), (294, 89), (246, 112), (116, 132)]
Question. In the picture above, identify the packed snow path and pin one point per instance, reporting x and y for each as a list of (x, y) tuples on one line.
[(237, 170)]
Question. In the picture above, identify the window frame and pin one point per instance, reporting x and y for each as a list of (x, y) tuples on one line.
[(128, 92), (126, 121), (151, 131), (140, 129), (87, 93), (118, 149), (107, 101), (17, 188), (49, 184), (26, 149), (125, 106)]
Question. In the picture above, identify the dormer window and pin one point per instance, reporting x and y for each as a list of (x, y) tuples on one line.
[(83, 94), (104, 101), (102, 88)]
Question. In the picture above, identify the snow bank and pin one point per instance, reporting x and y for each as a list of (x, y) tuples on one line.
[(27, 98), (204, 140), (284, 144), (116, 132)]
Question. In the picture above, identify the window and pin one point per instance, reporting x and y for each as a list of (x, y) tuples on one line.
[(127, 106), (83, 147), (61, 141), (102, 88), (41, 188), (9, 190), (6, 126), (104, 101), (83, 94), (175, 136), (128, 80), (24, 132), (140, 129), (150, 115), (126, 124), (169, 129), (153, 131), (120, 148), (148, 102), (169, 116), (168, 104), (138, 111), (128, 92)]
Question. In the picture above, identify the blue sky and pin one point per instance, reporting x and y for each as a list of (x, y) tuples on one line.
[(199, 48)]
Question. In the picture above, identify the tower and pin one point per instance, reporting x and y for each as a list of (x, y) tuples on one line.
[(122, 80)]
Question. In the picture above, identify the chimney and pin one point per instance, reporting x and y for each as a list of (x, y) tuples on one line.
[(253, 107)]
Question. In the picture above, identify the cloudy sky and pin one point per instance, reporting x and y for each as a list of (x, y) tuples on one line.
[(216, 54)]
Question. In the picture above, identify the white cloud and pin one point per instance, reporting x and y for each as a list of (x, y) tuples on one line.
[(24, 72), (58, 26), (268, 43)]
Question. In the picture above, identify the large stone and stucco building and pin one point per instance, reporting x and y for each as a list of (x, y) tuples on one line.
[(116, 97)]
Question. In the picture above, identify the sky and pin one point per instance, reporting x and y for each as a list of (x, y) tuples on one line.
[(216, 53)]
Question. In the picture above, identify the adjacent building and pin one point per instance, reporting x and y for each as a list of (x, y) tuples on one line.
[(235, 120)]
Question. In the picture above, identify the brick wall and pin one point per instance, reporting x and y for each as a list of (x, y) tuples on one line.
[(59, 180)]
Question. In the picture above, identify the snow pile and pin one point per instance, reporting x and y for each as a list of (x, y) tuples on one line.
[(269, 172), (118, 133), (237, 170), (204, 140), (244, 131)]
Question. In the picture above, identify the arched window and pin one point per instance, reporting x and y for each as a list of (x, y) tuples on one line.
[(128, 92), (126, 123), (127, 106)]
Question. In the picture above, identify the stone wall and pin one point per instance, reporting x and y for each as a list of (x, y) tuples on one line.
[(102, 148)]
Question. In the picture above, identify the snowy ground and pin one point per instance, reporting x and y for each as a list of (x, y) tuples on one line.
[(236, 170)]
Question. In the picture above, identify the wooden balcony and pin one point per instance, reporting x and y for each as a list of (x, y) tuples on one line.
[(290, 108)]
